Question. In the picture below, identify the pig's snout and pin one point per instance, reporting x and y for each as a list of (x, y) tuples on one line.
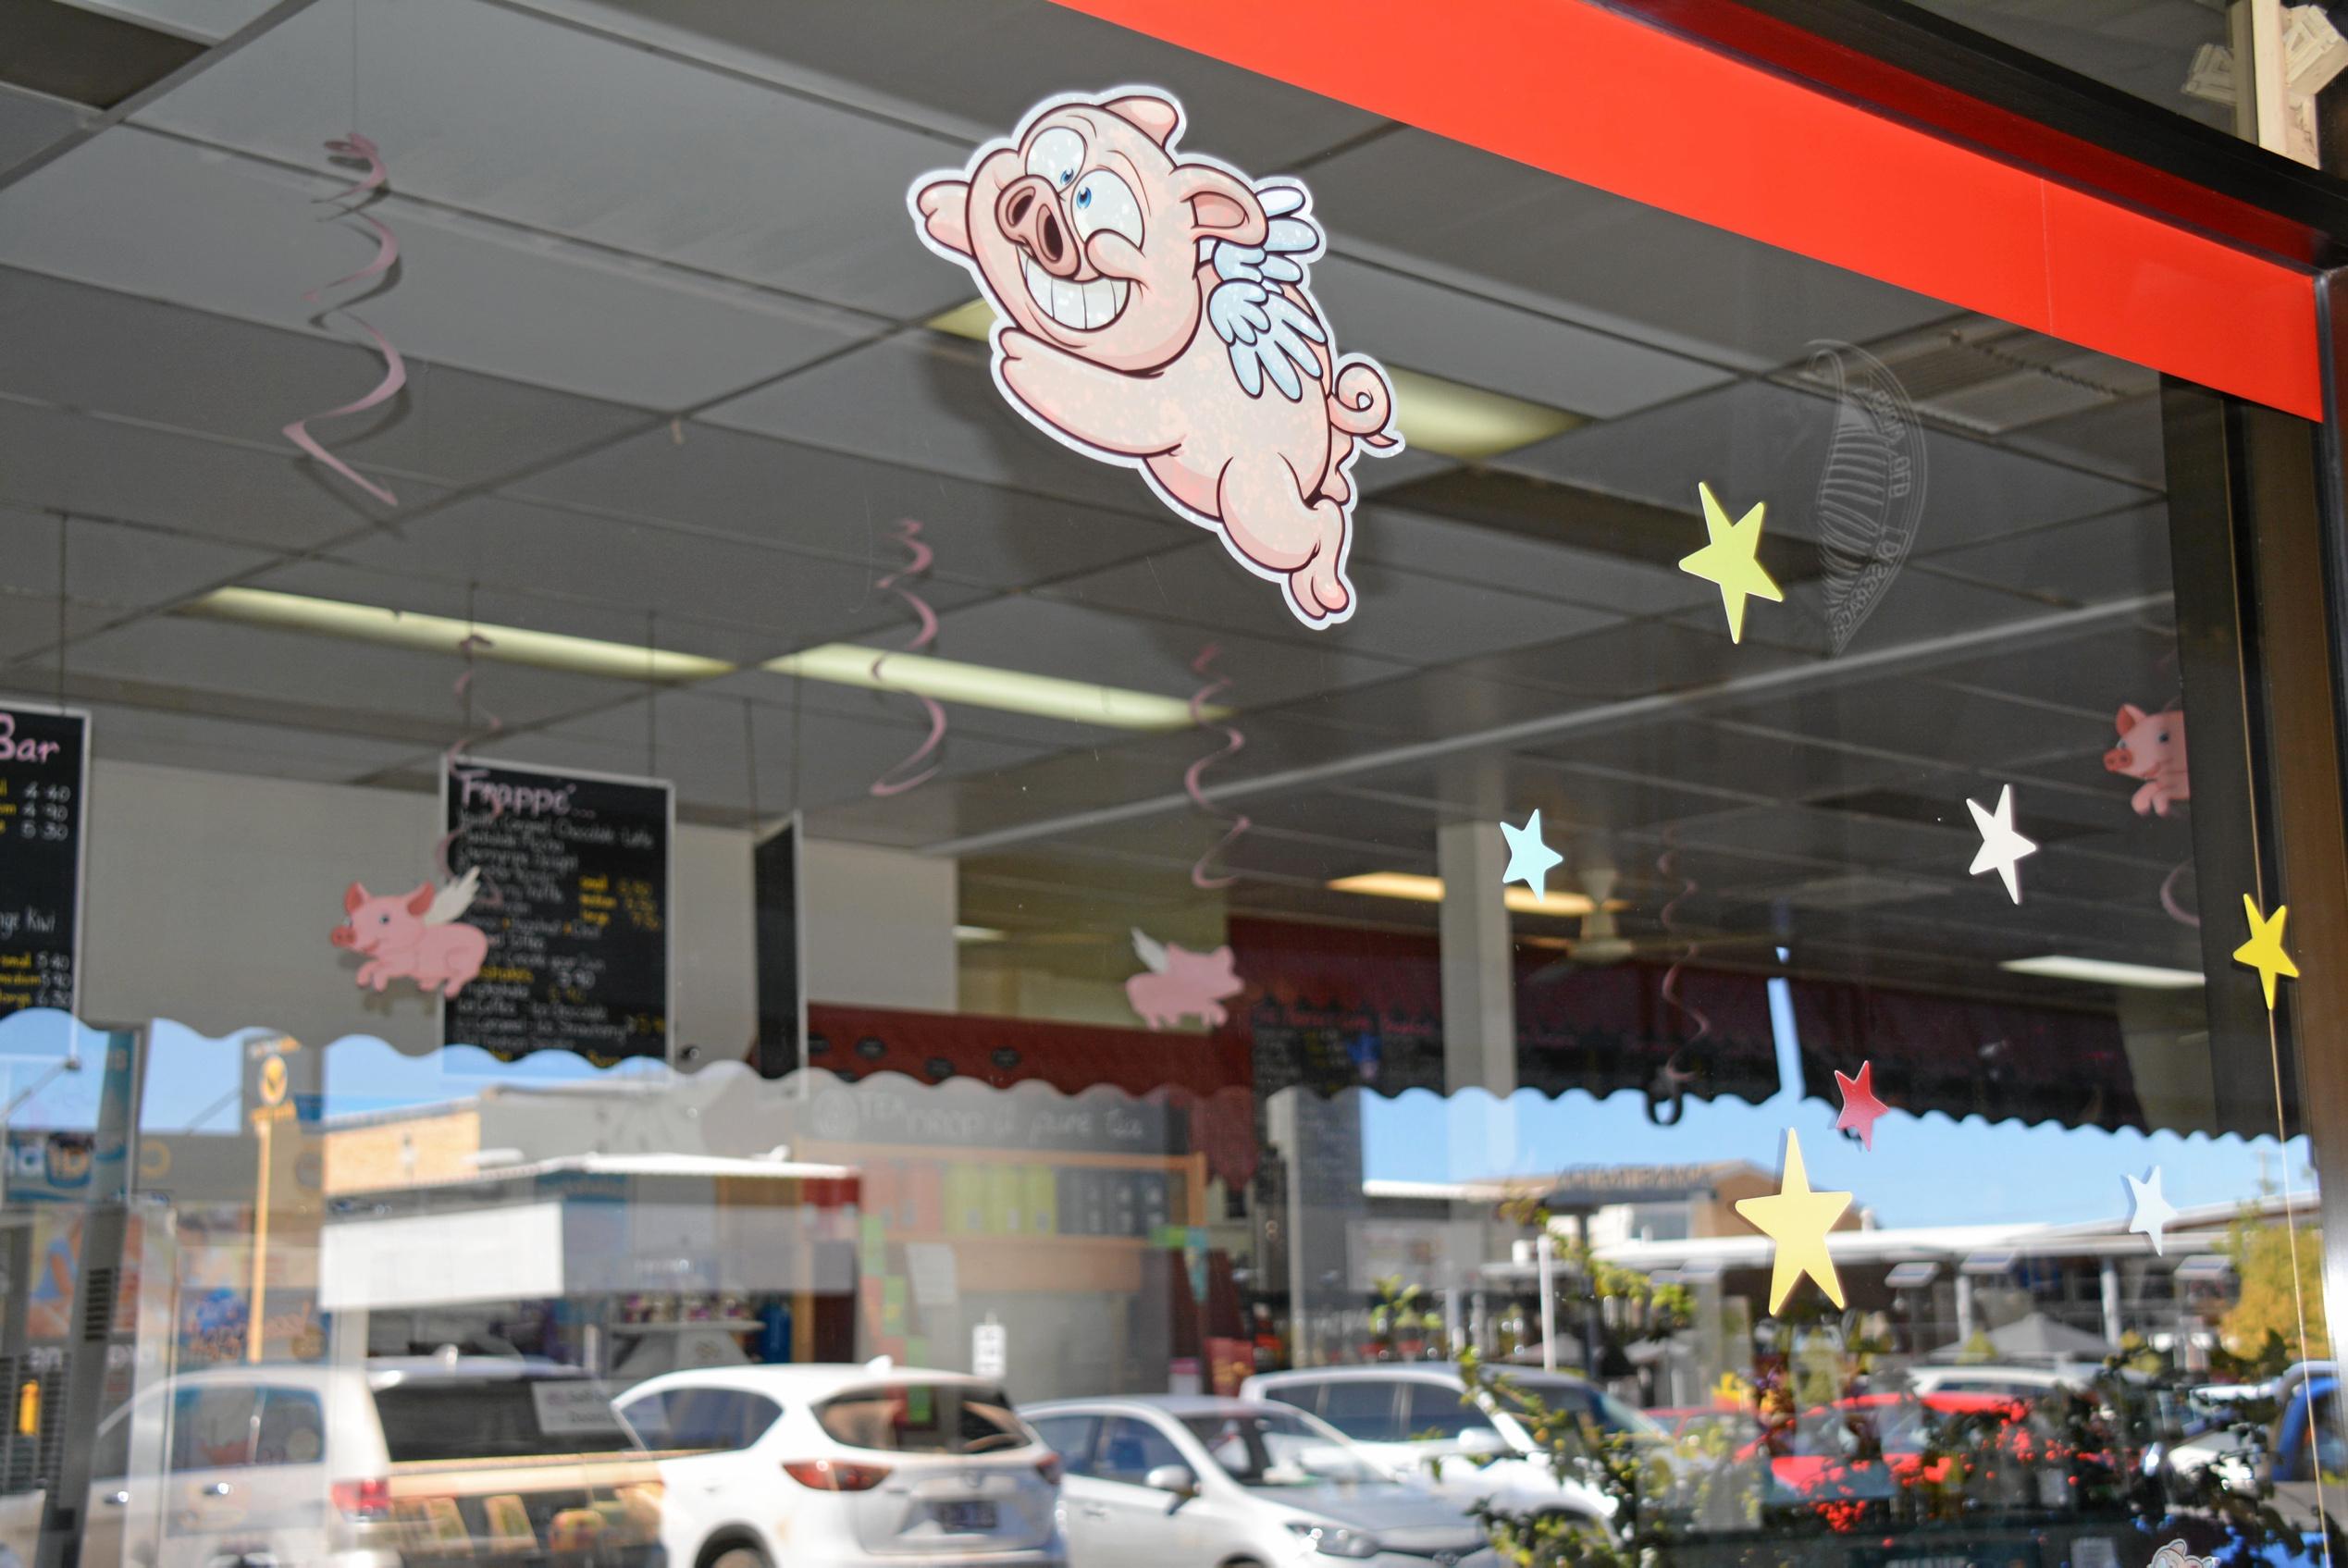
[(2118, 760), (1029, 212), (343, 935)]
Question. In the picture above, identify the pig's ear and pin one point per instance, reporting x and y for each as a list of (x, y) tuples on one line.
[(945, 206), (2130, 717), (1157, 117), (421, 900), (353, 896), (1223, 206)]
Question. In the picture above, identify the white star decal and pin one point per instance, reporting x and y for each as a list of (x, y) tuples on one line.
[(1529, 860), (2148, 1209), (2001, 846)]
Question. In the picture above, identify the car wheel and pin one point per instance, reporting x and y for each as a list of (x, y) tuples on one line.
[(739, 1557)]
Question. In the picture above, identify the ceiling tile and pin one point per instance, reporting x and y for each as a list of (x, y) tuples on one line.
[(112, 565), (53, 461), (1759, 442), (108, 352), (492, 110), (300, 669), (1635, 269), (979, 65), (31, 122), (722, 482), (926, 399), (1423, 542), (121, 733), (246, 242), (2117, 556), (1407, 617), (598, 577), (1462, 337)]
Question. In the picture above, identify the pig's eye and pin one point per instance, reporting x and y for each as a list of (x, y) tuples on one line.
[(1057, 156), (2162, 738), (1102, 201)]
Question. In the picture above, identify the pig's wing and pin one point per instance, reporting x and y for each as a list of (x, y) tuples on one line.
[(1268, 333), (450, 903), (1151, 951)]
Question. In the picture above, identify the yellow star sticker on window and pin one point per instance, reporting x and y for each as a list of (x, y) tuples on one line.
[(1732, 559), (1798, 1220), (2264, 951)]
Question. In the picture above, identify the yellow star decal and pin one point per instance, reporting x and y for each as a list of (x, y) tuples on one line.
[(2264, 951), (1732, 559), (1798, 1220)]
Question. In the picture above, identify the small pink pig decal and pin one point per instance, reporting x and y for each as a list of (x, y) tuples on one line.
[(1155, 311), (2152, 748), (415, 935), (1181, 983)]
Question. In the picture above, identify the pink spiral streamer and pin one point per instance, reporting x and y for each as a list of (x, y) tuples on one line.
[(900, 778), (1234, 742), (1667, 865), (2168, 903), (471, 643), (387, 252)]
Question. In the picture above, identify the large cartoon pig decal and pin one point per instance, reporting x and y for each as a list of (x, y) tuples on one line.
[(2152, 748), (1155, 311)]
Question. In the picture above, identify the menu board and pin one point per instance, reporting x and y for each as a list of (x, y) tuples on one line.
[(575, 900), (45, 759)]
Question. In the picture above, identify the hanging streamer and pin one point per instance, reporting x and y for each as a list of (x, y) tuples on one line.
[(468, 645), (1233, 743), (2168, 901), (898, 779), (1671, 1079), (387, 253)]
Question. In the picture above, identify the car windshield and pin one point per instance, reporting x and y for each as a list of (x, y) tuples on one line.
[(1517, 1393), (439, 1418), (923, 1418), (1278, 1449)]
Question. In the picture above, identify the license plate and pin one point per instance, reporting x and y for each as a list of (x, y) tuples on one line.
[(964, 1516)]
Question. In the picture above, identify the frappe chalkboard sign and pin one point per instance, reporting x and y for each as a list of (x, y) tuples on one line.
[(44, 766), (575, 899)]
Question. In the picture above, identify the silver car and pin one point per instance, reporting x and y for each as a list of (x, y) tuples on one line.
[(1197, 1482)]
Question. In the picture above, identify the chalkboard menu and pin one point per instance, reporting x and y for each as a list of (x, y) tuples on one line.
[(774, 907), (44, 759), (575, 899)]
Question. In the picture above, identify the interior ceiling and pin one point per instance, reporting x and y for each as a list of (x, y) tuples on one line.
[(663, 313)]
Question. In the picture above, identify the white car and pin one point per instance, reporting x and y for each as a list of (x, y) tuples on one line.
[(844, 1467), (1405, 1414), (1189, 1479)]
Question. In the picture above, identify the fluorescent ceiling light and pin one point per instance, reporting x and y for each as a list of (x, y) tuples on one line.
[(2099, 971), (442, 634), (1445, 417), (979, 686), (1429, 890), (982, 685), (977, 934)]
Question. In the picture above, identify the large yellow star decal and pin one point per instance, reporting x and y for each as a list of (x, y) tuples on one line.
[(1798, 1220), (1732, 559), (2264, 951)]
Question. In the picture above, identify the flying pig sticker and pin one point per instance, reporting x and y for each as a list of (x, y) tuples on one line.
[(1155, 310)]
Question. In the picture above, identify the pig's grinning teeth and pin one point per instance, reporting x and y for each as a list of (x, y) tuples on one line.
[(1080, 305)]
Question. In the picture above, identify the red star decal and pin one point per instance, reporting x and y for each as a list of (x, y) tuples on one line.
[(1860, 1109)]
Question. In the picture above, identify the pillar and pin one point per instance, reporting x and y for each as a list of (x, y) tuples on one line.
[(1480, 990), (2111, 1299)]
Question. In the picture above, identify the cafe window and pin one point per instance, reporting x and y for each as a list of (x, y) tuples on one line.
[(724, 724)]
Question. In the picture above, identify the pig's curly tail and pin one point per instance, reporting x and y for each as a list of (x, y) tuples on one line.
[(1361, 403)]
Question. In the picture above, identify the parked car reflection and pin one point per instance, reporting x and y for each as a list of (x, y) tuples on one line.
[(1189, 1479)]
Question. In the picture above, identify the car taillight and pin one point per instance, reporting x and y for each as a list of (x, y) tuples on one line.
[(1049, 1468), (362, 1500), (835, 1475)]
